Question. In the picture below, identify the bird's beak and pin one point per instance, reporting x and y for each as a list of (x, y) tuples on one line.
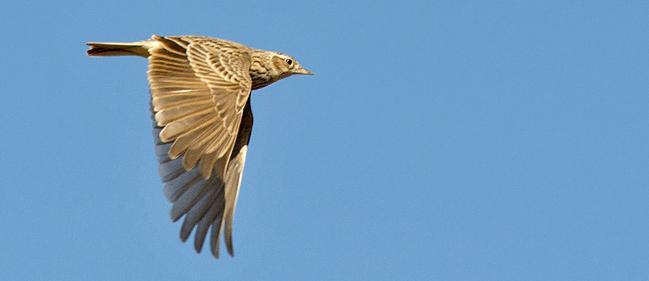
[(303, 71)]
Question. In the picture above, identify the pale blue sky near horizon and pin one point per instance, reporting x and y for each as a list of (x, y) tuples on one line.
[(438, 140)]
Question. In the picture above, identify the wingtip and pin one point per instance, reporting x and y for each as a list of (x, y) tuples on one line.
[(215, 252), (198, 245), (229, 245)]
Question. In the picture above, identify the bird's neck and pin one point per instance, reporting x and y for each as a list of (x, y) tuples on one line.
[(262, 70)]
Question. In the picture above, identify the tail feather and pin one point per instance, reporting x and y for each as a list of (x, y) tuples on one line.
[(119, 49)]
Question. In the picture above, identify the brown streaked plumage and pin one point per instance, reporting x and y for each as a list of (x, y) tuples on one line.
[(200, 100)]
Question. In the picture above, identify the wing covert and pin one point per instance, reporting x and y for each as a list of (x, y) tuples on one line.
[(199, 87)]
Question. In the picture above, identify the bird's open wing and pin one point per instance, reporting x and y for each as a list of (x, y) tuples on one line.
[(200, 88)]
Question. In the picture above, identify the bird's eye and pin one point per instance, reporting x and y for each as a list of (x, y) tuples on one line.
[(289, 61)]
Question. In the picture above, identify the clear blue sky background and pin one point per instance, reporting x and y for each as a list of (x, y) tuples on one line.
[(439, 140)]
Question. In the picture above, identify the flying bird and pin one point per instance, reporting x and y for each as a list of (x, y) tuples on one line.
[(200, 101)]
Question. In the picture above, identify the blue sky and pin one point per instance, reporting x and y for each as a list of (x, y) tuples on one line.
[(439, 140)]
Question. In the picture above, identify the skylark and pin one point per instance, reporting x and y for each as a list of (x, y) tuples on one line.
[(200, 98)]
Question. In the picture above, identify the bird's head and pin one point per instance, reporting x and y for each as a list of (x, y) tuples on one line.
[(268, 67), (287, 66)]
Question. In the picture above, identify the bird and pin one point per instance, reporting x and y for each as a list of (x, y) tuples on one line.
[(200, 102)]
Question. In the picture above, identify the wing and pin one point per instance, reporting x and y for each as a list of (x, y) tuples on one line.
[(206, 204), (199, 87), (200, 99)]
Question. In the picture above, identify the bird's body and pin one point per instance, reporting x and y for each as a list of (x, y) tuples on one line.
[(200, 89)]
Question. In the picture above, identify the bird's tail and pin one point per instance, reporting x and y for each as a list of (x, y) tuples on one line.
[(120, 49)]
